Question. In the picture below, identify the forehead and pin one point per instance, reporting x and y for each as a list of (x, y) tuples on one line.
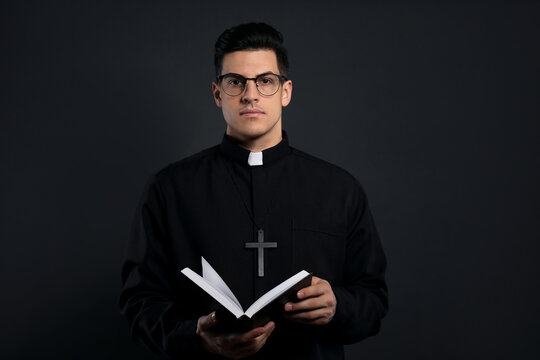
[(250, 63)]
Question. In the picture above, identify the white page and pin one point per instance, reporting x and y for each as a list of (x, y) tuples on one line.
[(210, 275), (216, 294), (275, 293)]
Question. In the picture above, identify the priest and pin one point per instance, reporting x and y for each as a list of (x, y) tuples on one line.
[(258, 210)]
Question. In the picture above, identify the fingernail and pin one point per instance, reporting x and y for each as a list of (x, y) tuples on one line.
[(288, 307), (213, 316), (300, 294)]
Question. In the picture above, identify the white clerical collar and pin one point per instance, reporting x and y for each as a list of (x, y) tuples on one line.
[(255, 158)]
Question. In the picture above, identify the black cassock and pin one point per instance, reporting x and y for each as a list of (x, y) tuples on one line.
[(211, 204)]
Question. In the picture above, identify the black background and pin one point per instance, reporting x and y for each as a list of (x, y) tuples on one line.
[(433, 106)]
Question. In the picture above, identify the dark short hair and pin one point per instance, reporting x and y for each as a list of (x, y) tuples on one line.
[(251, 36)]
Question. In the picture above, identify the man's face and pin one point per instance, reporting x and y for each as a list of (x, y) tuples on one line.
[(251, 116)]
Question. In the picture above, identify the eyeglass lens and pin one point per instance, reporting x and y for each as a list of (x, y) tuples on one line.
[(267, 84)]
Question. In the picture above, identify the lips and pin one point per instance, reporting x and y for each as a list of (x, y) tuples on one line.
[(251, 112)]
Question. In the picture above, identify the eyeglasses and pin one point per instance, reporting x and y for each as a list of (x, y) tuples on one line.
[(267, 84)]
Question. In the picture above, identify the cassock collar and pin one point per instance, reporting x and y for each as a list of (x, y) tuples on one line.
[(271, 155)]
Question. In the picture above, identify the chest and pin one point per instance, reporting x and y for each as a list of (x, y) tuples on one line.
[(218, 221)]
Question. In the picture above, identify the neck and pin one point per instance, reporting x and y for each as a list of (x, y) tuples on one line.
[(256, 144)]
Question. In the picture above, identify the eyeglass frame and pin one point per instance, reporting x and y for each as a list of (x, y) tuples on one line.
[(282, 79)]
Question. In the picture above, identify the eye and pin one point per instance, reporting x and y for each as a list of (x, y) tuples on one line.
[(234, 82), (266, 80)]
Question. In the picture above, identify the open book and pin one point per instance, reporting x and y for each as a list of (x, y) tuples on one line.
[(260, 312)]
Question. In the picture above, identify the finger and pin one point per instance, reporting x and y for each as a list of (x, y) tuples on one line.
[(251, 348), (251, 342), (306, 305), (206, 322), (313, 290), (322, 316), (258, 332), (326, 300), (268, 328), (261, 340), (248, 339)]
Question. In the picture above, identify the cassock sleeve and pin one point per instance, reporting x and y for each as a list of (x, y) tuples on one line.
[(150, 299), (362, 299)]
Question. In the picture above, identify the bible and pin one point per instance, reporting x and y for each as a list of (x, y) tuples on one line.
[(230, 314)]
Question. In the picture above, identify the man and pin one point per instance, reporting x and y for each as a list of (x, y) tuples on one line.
[(253, 188)]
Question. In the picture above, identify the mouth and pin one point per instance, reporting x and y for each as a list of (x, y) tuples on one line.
[(251, 113)]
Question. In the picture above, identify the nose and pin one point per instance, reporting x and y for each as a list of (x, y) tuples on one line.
[(250, 92)]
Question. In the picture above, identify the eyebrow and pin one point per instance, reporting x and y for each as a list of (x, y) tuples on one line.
[(256, 76)]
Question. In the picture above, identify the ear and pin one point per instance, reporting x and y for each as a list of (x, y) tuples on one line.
[(286, 93), (217, 93)]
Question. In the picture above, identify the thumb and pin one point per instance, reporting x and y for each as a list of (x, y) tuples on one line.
[(206, 322)]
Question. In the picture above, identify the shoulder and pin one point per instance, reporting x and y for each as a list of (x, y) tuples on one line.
[(313, 166), (188, 167), (326, 192)]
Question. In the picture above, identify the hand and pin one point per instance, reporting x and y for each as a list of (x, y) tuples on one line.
[(231, 345), (317, 304)]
